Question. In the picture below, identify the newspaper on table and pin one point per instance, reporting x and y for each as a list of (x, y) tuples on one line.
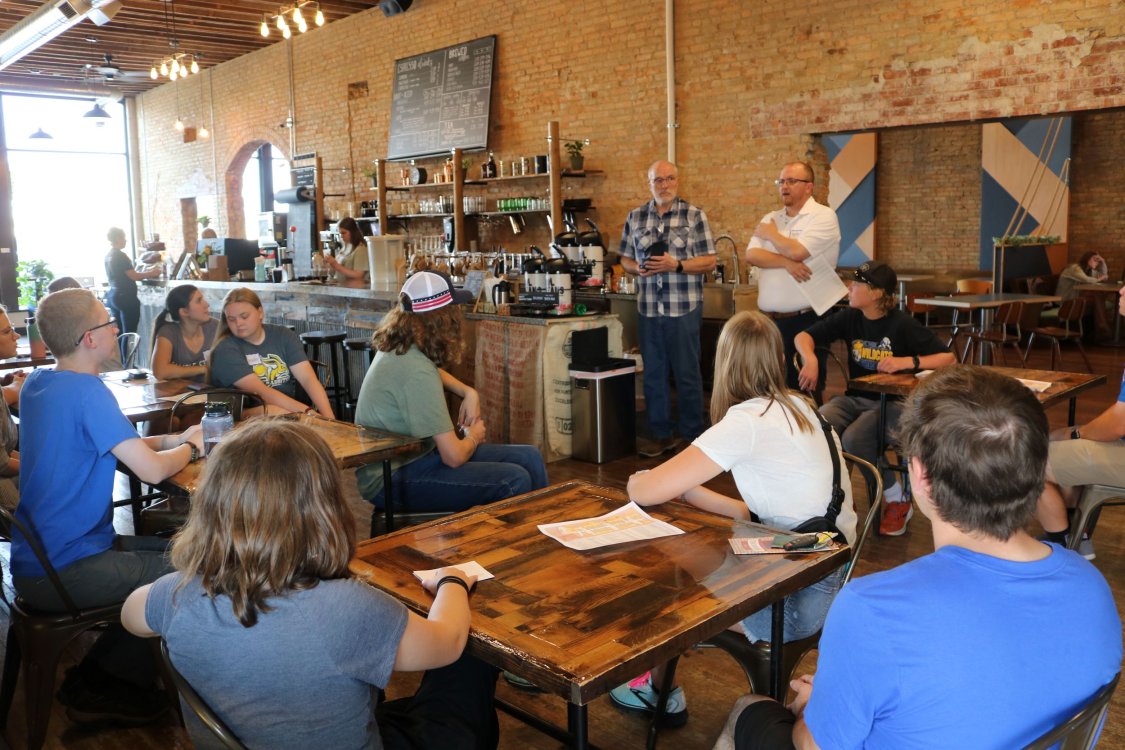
[(626, 524)]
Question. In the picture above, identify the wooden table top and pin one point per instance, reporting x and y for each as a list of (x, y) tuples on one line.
[(352, 445), (1105, 287), (575, 623), (979, 301), (142, 400), (25, 359), (1064, 385)]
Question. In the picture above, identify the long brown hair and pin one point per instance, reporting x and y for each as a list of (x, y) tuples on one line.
[(750, 363), (269, 517), (241, 294), (437, 334), (178, 298)]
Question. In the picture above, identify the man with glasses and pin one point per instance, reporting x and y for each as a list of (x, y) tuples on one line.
[(667, 242), (782, 242), (73, 435)]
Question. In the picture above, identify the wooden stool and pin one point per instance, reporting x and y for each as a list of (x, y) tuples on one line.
[(313, 341)]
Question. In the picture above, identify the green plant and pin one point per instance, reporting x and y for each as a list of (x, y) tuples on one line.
[(574, 148), (32, 276), (1017, 240), (204, 221), (465, 162)]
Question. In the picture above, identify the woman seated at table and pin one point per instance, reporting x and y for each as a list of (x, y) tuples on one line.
[(182, 335), (354, 249), (9, 430), (772, 442), (404, 392), (265, 359), (1090, 269), (263, 619)]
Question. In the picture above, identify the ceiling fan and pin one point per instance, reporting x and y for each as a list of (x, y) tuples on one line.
[(110, 72)]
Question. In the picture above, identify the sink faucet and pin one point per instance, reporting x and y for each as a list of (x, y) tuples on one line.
[(733, 255)]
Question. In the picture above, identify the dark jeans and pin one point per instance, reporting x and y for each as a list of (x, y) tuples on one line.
[(671, 346), (128, 314), (494, 472), (453, 708), (765, 725), (101, 579)]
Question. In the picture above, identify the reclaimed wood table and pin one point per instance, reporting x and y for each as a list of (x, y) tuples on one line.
[(24, 359), (577, 624), (986, 303), (145, 399), (352, 445)]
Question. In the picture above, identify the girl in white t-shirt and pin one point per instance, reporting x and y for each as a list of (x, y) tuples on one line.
[(771, 441)]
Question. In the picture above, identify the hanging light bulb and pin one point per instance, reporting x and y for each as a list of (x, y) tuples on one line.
[(153, 74), (280, 22), (194, 66), (286, 32), (265, 27), (204, 132), (302, 26), (319, 18), (173, 75), (297, 17), (164, 68), (178, 124)]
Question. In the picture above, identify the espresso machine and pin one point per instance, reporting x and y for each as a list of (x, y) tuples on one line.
[(302, 235)]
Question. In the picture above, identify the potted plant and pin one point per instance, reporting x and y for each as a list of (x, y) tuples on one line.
[(465, 168), (371, 174), (204, 221), (574, 151), (32, 276)]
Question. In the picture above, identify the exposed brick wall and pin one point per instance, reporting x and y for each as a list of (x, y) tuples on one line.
[(1097, 170), (754, 80)]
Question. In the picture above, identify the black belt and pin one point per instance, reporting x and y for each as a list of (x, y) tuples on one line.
[(783, 315)]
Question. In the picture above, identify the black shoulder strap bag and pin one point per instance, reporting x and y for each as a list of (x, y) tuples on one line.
[(827, 522)]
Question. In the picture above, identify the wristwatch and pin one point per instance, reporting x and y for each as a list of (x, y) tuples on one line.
[(1075, 434), (679, 266), (917, 362), (194, 453)]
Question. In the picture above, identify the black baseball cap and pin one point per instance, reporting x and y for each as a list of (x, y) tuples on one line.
[(878, 276)]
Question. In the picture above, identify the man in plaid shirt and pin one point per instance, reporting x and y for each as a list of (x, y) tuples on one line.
[(667, 242)]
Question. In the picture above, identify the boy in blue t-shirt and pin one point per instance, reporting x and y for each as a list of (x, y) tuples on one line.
[(73, 434)]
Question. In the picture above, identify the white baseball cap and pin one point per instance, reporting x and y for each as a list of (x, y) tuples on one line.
[(427, 291)]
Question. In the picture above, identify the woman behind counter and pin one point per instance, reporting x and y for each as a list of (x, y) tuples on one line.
[(404, 392), (263, 619), (123, 278), (265, 359), (354, 251), (182, 335), (772, 442)]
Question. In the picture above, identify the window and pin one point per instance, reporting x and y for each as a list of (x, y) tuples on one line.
[(67, 191), (264, 176)]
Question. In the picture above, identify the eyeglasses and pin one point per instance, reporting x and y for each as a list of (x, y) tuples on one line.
[(662, 181), (111, 322), (788, 181)]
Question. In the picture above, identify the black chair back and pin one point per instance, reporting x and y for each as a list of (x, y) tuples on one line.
[(1080, 731), (32, 539), (239, 400), (199, 706)]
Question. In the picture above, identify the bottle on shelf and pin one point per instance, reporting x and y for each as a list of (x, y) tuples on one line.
[(488, 169)]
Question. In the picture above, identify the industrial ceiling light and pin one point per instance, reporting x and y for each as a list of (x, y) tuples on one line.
[(178, 64), (99, 112), (296, 18), (41, 135)]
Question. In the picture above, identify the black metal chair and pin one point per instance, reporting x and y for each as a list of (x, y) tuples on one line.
[(1080, 731), (198, 706), (36, 641), (313, 341), (238, 399), (754, 658), (128, 343), (1089, 507), (351, 346)]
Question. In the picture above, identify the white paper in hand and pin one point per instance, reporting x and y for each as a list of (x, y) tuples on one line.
[(471, 568)]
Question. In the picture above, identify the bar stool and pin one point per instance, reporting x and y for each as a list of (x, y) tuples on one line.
[(350, 346), (313, 341)]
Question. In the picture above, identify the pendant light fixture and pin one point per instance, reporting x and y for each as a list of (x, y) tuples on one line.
[(41, 135), (296, 13), (99, 112)]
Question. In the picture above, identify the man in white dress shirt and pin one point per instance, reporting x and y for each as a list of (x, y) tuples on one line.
[(784, 240)]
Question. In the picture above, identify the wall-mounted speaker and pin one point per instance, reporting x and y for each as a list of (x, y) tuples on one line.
[(394, 7)]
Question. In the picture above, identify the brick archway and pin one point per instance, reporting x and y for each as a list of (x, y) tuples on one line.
[(232, 180)]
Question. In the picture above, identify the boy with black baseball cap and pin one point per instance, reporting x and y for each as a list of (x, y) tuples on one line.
[(880, 338)]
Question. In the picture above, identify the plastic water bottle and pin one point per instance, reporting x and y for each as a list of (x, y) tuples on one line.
[(217, 420)]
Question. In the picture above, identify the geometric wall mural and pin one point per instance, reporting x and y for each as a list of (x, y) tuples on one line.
[(851, 193), (1024, 162)]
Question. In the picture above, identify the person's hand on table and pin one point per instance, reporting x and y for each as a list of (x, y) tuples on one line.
[(431, 583), (809, 374), (895, 364), (193, 435), (802, 686)]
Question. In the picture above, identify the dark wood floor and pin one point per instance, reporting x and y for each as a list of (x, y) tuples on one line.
[(710, 680)]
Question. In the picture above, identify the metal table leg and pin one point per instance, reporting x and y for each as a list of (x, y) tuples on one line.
[(665, 689), (388, 504), (777, 642), (576, 723)]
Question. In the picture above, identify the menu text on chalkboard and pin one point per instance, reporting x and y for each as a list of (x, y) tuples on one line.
[(441, 100)]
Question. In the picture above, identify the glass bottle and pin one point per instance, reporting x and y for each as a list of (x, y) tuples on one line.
[(489, 167)]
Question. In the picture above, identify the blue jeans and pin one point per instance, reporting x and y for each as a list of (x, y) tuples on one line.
[(671, 345), (494, 472), (804, 611), (856, 421)]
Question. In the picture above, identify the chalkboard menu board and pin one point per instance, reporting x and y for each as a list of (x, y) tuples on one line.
[(441, 100)]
